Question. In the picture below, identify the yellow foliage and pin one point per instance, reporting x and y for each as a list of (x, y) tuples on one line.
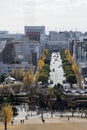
[(68, 55), (7, 113), (45, 51), (18, 74), (71, 60), (35, 77), (40, 64), (15, 73), (66, 51), (44, 54), (75, 68), (22, 72), (28, 79)]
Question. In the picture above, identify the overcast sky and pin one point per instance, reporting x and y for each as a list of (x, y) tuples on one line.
[(53, 14)]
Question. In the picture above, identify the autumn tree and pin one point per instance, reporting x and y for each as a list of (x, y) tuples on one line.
[(28, 79), (40, 64), (75, 68), (43, 67), (77, 72), (67, 62), (74, 71), (7, 114), (15, 74), (44, 54), (16, 87), (35, 77), (21, 73), (18, 74), (68, 55)]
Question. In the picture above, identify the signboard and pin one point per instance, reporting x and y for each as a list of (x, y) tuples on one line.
[(35, 36)]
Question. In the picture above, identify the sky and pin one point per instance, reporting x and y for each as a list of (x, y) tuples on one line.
[(55, 15)]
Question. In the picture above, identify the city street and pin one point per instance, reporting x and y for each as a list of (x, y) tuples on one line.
[(56, 76), (57, 73)]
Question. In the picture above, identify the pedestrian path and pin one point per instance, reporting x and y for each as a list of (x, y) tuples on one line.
[(57, 73)]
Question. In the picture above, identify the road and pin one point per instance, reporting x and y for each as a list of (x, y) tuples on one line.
[(57, 73)]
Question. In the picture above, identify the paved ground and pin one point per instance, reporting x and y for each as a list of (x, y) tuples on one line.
[(58, 74), (56, 123)]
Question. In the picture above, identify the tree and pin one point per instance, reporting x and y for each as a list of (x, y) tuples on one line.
[(68, 55), (71, 78), (43, 77), (47, 61), (71, 68), (7, 114), (78, 74), (51, 93), (21, 73), (16, 87), (15, 74), (28, 79), (75, 68), (44, 54), (2, 77), (40, 64), (46, 67)]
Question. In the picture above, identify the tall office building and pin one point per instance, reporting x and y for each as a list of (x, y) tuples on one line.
[(34, 40), (8, 54)]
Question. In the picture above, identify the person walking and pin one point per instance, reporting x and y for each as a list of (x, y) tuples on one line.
[(43, 120), (12, 122), (23, 121), (68, 118)]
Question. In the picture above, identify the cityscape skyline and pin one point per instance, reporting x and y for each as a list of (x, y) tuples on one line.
[(58, 15)]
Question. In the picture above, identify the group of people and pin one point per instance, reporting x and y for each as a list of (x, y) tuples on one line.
[(21, 121)]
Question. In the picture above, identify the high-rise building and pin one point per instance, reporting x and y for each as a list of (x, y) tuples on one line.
[(34, 40), (8, 54)]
